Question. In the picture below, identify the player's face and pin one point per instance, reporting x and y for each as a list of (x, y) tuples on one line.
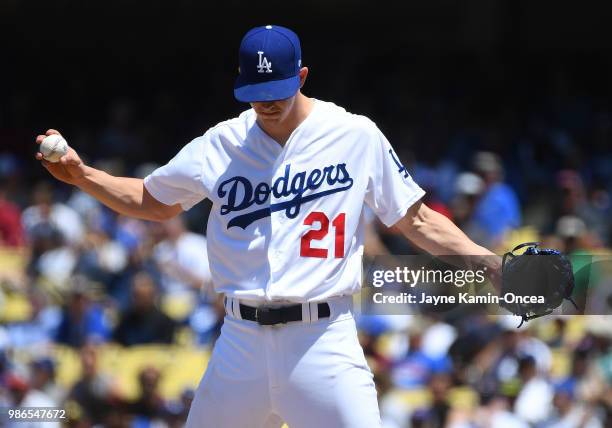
[(273, 111)]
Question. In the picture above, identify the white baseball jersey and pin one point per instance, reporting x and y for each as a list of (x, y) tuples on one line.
[(287, 222)]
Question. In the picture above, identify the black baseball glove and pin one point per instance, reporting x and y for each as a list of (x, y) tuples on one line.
[(537, 272)]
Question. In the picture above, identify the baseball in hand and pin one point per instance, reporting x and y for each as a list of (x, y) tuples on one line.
[(53, 148)]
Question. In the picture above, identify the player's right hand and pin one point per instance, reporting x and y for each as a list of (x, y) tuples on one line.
[(70, 168)]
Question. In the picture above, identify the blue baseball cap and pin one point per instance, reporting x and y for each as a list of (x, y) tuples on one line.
[(270, 62)]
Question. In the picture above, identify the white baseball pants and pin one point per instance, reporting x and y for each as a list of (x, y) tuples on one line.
[(308, 374)]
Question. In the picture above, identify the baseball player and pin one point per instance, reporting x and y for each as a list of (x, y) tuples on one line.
[(289, 180)]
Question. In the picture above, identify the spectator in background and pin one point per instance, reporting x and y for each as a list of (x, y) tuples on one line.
[(93, 393), (573, 232), (22, 395), (101, 258), (468, 189), (149, 407), (498, 209), (11, 231), (83, 321), (600, 200), (578, 372), (568, 413), (58, 215), (43, 379), (377, 361), (41, 326), (534, 400), (182, 257), (416, 368), (495, 412), (138, 238), (51, 259), (577, 242), (438, 412), (88, 208), (574, 201), (54, 231), (144, 322)]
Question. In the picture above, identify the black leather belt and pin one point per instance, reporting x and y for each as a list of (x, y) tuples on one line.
[(282, 315)]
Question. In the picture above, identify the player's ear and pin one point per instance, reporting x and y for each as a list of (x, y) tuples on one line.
[(303, 75)]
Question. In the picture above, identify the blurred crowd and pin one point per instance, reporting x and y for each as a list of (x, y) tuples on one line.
[(75, 275), (472, 372)]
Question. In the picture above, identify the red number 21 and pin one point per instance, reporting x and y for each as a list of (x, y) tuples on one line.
[(317, 234)]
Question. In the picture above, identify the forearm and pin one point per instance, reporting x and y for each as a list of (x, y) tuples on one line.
[(124, 195), (439, 236)]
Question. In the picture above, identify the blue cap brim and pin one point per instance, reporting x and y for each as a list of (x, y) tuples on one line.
[(266, 91)]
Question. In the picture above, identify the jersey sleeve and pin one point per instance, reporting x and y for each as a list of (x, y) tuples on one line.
[(180, 181), (390, 190)]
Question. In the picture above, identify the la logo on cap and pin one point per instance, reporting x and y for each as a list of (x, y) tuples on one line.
[(264, 65)]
